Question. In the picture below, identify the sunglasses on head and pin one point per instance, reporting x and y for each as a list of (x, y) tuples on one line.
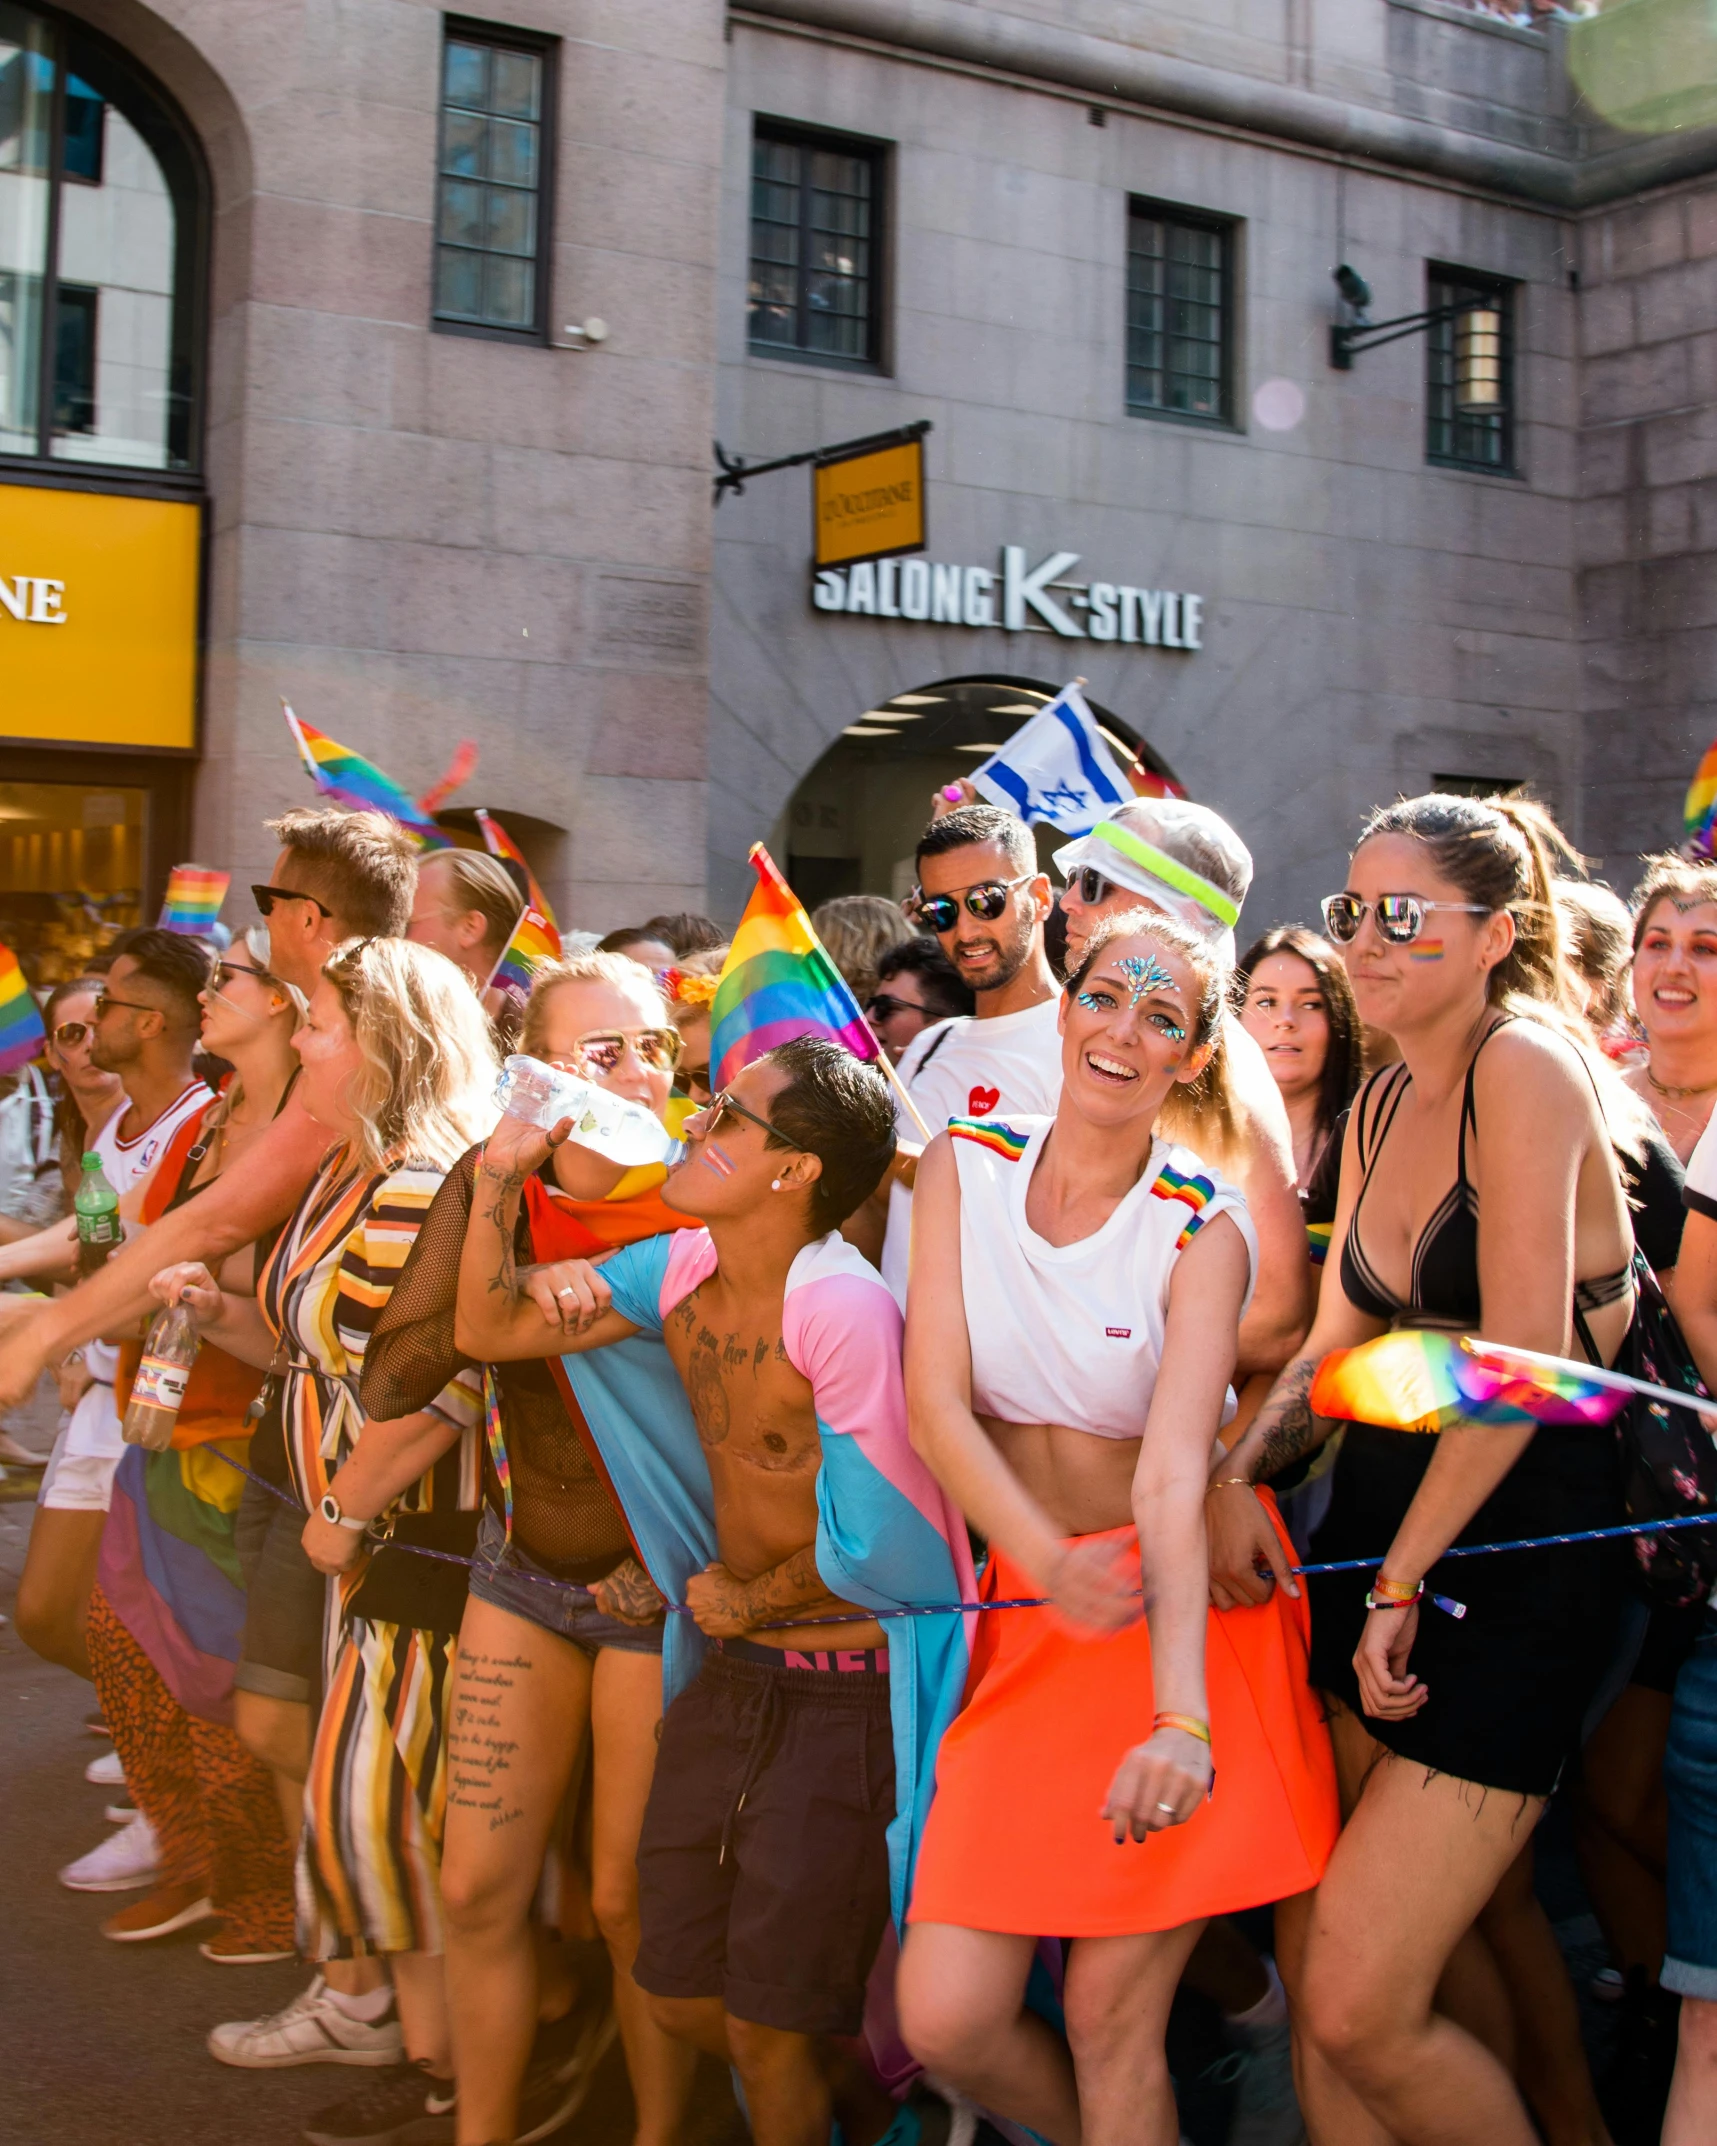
[(723, 1106), (604, 1048), (266, 897), (70, 1032), (941, 912), (1399, 918)]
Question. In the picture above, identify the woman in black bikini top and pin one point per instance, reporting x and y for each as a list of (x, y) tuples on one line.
[(1480, 1193)]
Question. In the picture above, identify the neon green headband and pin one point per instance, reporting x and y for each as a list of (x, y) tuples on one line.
[(1169, 870)]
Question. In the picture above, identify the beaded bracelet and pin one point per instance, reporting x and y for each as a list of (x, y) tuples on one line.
[(1188, 1722)]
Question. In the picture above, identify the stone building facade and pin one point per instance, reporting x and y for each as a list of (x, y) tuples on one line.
[(419, 525)]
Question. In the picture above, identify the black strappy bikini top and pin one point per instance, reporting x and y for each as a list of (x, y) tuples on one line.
[(1444, 1284)]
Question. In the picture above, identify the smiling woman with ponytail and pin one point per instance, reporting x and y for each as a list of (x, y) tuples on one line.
[(1480, 1193)]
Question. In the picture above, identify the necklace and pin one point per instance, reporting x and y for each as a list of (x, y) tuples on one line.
[(1677, 1095)]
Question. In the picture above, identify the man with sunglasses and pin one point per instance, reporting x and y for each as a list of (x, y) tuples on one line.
[(981, 894), (917, 986), (145, 1031), (742, 1384)]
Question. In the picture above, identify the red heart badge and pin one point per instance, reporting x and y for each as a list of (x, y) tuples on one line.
[(982, 1101)]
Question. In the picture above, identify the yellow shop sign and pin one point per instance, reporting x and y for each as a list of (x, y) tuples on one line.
[(98, 617)]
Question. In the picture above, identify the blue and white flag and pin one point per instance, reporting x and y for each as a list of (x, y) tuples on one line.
[(1056, 768)]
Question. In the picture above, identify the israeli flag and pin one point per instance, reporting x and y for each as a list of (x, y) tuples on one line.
[(1056, 768)]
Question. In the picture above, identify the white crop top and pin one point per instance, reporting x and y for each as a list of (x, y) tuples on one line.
[(1073, 1333)]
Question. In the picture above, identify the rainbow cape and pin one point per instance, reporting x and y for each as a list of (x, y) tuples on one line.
[(351, 780), (499, 843), (1419, 1381), (778, 982), (1701, 806), (195, 893), (21, 1032), (534, 941)]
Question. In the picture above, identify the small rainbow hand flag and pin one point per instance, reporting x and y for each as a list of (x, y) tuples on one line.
[(778, 982), (21, 1032), (501, 844), (351, 780), (1419, 1381), (534, 941), (1701, 806), (195, 893)]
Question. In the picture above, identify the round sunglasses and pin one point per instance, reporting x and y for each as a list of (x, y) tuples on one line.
[(941, 912), (1399, 918)]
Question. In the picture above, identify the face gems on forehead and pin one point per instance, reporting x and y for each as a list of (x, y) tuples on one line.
[(1144, 975)]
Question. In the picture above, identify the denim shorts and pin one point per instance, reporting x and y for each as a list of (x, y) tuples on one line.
[(511, 1580), (1690, 1775)]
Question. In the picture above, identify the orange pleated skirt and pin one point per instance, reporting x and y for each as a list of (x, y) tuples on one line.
[(1016, 1839)]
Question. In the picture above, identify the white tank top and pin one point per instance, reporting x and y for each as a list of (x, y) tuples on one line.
[(1073, 1333)]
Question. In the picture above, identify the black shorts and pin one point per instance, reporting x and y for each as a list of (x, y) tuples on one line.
[(763, 1864), (280, 1655)]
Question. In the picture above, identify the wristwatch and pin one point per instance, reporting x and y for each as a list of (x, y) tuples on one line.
[(329, 1508)]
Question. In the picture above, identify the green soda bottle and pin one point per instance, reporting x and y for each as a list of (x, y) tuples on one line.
[(100, 1231)]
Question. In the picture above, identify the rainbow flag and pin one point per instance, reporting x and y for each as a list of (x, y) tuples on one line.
[(534, 941), (1701, 806), (351, 780), (195, 893), (460, 770), (778, 982), (499, 843), (1419, 1381), (21, 1032)]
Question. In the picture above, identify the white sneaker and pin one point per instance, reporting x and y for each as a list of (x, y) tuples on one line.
[(313, 2029), (106, 1771), (128, 1858)]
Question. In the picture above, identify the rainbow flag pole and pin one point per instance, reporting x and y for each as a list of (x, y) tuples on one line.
[(21, 1032), (351, 780), (1556, 1369), (535, 941), (499, 843), (195, 893), (778, 982)]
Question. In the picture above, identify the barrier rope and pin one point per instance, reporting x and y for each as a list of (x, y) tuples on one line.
[(956, 1609)]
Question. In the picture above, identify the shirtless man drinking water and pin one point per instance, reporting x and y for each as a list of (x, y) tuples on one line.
[(763, 1865)]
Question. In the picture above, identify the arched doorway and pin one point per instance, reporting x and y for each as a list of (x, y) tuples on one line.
[(851, 825)]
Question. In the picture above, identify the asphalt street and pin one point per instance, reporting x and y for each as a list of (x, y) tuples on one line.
[(104, 2042)]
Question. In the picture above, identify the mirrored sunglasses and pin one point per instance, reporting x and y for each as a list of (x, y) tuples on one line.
[(1398, 918), (604, 1048), (941, 912)]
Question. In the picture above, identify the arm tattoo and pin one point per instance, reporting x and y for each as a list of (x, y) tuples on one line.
[(629, 1593), (502, 1197), (791, 1585), (1295, 1430)]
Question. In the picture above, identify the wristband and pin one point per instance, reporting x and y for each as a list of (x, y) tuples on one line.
[(1230, 1482), (1391, 1595), (1187, 1722)]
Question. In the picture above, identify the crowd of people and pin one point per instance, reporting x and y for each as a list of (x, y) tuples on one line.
[(831, 1601)]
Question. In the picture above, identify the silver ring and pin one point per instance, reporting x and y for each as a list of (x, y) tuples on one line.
[(567, 1292), (1169, 1807)]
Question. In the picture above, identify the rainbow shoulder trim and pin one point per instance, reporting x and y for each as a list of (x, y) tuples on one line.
[(1318, 1235), (1194, 1192), (991, 1133)]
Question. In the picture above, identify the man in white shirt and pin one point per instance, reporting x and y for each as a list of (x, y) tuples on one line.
[(980, 892)]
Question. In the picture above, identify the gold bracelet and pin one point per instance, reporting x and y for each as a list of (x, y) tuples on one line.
[(1228, 1482), (1187, 1722)]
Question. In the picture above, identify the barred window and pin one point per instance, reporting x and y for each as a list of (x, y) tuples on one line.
[(1466, 439), (491, 226), (816, 219), (1179, 314)]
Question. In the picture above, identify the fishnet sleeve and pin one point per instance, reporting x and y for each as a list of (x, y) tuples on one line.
[(411, 1356)]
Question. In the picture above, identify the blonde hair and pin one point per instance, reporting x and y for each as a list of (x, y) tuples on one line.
[(254, 940), (1596, 933), (1203, 1114), (618, 970), (690, 984), (427, 1082), (363, 865), (857, 930)]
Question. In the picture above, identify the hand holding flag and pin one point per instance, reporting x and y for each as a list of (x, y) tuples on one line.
[(1056, 768)]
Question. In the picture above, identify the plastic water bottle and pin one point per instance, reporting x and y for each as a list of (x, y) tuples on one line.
[(156, 1393), (96, 1205), (626, 1133)]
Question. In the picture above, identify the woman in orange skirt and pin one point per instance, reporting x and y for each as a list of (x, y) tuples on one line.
[(1128, 1762)]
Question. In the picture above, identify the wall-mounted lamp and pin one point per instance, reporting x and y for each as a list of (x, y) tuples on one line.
[(1478, 339), (585, 334)]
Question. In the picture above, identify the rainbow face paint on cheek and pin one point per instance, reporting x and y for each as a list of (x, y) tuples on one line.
[(1425, 950), (1144, 976)]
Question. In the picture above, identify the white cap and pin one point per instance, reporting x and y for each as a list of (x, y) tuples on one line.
[(1144, 852)]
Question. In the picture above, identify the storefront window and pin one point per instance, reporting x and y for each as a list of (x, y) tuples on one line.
[(100, 238), (71, 872)]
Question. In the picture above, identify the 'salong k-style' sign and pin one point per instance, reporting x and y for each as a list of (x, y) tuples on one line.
[(1018, 598)]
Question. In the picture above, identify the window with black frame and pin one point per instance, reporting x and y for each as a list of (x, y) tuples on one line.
[(103, 234), (1469, 372), (1180, 306), (494, 182), (816, 232)]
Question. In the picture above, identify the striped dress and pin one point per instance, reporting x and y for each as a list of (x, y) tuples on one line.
[(375, 1801)]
